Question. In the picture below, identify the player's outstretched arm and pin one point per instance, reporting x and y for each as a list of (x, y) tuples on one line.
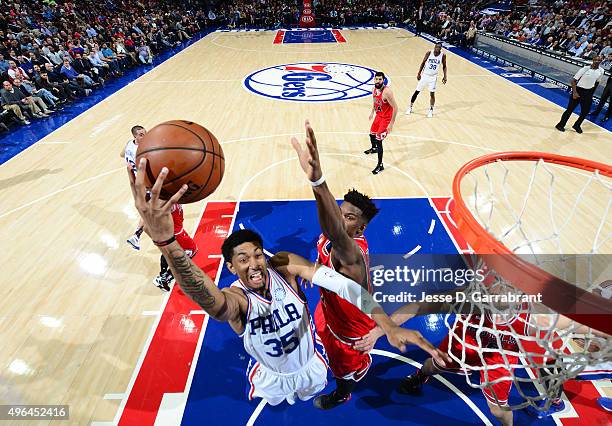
[(158, 224), (330, 215), (400, 316), (292, 265)]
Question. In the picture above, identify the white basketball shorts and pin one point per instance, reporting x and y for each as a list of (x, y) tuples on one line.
[(277, 387), (427, 81)]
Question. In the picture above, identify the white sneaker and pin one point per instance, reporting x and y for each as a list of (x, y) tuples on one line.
[(430, 113), (408, 111), (161, 283), (168, 278), (134, 241)]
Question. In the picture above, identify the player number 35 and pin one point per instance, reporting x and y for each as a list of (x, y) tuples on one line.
[(286, 344)]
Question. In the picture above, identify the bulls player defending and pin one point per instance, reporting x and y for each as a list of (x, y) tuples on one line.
[(343, 248), (165, 277), (264, 306), (501, 343), (385, 109), (428, 76), (129, 154)]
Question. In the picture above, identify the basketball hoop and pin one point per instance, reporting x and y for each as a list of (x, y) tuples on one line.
[(538, 225)]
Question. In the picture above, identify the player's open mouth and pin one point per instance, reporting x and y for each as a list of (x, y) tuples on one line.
[(256, 277)]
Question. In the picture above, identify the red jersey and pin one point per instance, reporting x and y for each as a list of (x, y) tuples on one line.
[(507, 329), (182, 237), (177, 218), (382, 107), (344, 318)]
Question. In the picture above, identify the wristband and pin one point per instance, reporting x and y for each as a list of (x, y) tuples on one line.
[(165, 243), (318, 182)]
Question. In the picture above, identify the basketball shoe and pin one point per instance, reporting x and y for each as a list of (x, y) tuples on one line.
[(134, 241), (161, 282), (412, 384), (329, 401), (430, 113), (555, 407), (409, 110), (379, 168)]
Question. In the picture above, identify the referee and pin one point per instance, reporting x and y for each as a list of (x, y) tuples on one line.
[(584, 84)]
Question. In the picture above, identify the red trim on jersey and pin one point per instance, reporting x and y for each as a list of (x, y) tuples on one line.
[(321, 358), (263, 299), (257, 365)]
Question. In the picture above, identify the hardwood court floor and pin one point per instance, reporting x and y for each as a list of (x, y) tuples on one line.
[(72, 326)]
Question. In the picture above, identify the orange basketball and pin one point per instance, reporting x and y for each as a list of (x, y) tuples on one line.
[(192, 155)]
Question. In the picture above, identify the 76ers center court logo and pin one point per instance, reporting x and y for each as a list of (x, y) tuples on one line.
[(312, 82)]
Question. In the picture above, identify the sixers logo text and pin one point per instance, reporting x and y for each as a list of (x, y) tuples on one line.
[(312, 82)]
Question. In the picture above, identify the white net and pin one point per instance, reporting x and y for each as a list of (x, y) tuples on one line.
[(552, 216)]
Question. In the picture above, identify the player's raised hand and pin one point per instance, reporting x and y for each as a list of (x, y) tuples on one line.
[(155, 213), (400, 337), (366, 343), (309, 157)]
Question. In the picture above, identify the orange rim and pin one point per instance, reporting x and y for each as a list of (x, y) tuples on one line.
[(557, 294)]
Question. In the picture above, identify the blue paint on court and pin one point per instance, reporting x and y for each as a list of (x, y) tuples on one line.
[(217, 393), (310, 36)]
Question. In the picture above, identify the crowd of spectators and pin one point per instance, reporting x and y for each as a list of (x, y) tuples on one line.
[(53, 52), (580, 29)]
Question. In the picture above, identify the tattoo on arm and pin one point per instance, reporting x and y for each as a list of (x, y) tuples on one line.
[(194, 282)]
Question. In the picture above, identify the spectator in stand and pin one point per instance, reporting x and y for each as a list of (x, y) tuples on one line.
[(72, 75), (144, 54), (470, 35), (588, 52), (577, 49), (11, 101), (30, 90), (71, 88), (42, 81), (16, 72), (4, 64), (83, 66), (13, 96), (52, 55), (102, 68)]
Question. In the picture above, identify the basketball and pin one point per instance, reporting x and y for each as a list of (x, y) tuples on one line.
[(192, 155)]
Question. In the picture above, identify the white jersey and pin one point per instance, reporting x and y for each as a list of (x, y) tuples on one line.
[(433, 63), (601, 371), (130, 154), (278, 332)]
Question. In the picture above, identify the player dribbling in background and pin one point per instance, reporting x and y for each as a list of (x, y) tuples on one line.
[(428, 76)]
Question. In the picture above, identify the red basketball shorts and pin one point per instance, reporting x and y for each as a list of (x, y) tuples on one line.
[(379, 127), (344, 361), (501, 389), (187, 243)]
